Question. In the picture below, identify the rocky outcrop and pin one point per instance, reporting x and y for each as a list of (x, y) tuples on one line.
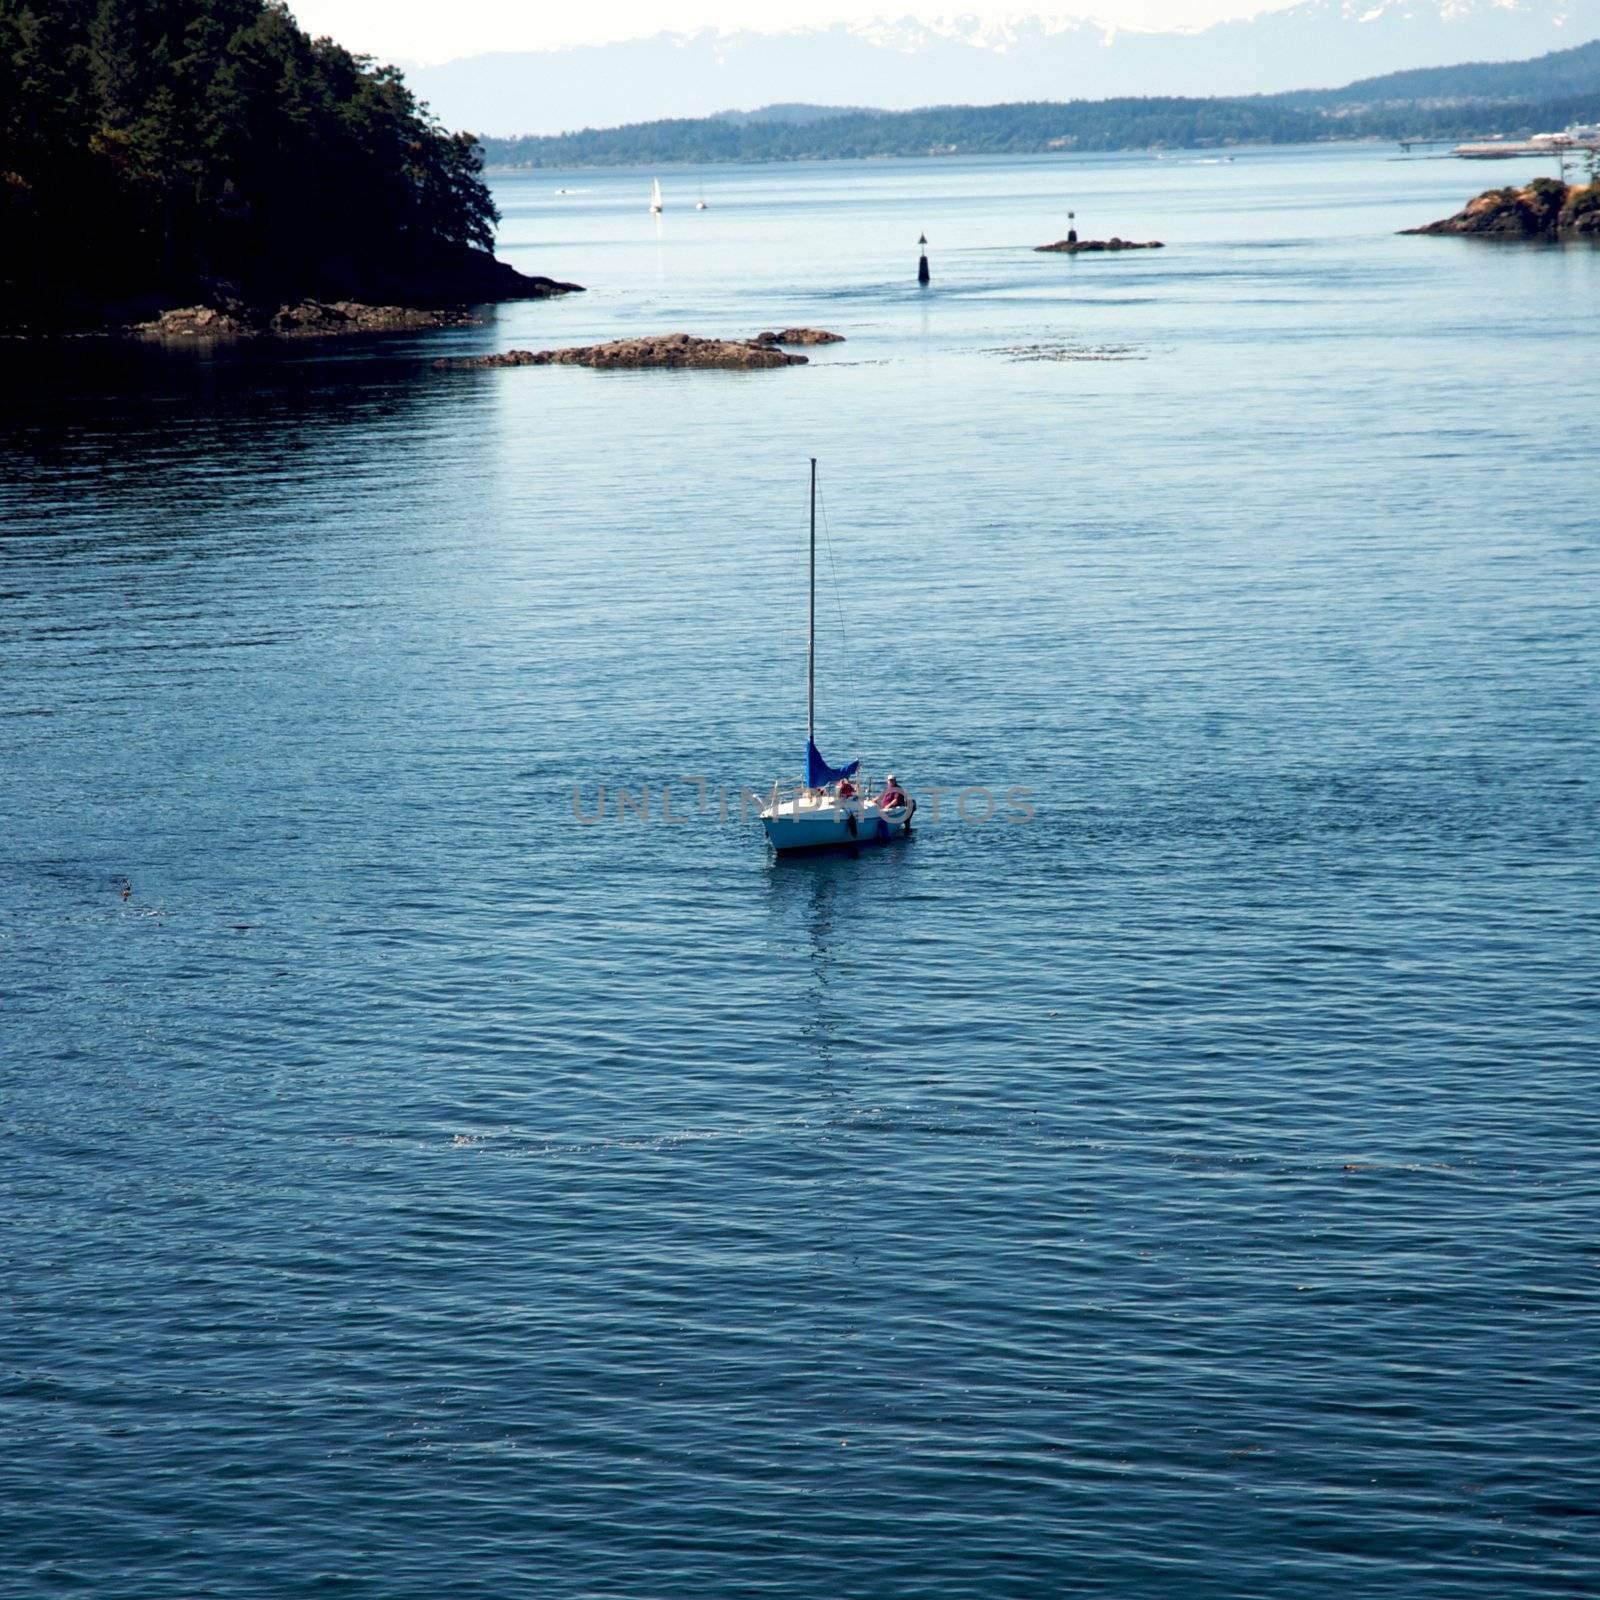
[(314, 318), (305, 319), (377, 297), (663, 350), (1546, 209), (1073, 247), (198, 322), (800, 336)]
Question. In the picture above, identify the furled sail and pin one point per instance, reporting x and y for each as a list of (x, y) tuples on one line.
[(819, 773)]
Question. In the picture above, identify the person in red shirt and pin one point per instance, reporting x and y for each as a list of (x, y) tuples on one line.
[(847, 790), (893, 795)]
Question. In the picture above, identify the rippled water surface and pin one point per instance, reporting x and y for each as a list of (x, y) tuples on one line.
[(410, 1190)]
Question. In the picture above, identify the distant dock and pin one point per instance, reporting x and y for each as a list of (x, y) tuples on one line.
[(1580, 139), (1491, 150)]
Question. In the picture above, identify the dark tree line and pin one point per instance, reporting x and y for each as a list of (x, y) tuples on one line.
[(998, 129), (150, 145)]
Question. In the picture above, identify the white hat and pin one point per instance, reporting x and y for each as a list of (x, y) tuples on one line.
[(891, 779)]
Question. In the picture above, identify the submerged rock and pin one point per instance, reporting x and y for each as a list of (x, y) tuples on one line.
[(662, 350), (1545, 209), (1075, 246)]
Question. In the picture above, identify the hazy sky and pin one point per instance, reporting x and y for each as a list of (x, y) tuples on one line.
[(428, 31)]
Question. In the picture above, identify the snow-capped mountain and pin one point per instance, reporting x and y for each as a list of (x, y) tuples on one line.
[(1000, 34), (895, 63)]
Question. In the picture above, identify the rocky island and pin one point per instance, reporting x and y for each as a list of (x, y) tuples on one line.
[(681, 350), (1073, 246), (1546, 209), (201, 170)]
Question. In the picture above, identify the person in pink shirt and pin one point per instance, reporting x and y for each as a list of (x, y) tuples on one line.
[(893, 795)]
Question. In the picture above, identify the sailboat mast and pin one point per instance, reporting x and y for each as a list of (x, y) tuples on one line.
[(811, 628)]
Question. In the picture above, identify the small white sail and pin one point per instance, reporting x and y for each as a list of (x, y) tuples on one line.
[(655, 194)]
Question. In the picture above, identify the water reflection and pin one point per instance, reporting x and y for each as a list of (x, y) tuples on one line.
[(98, 438), (828, 905)]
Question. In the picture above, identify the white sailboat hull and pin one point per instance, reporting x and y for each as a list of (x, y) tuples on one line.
[(795, 825)]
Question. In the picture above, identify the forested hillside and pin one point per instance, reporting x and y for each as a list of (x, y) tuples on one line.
[(1081, 125), (1514, 97), (1560, 74), (153, 147), (1018, 129)]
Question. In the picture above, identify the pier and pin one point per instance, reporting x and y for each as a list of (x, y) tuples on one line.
[(1494, 150), (1581, 140)]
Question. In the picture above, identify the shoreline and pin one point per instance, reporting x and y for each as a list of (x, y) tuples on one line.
[(644, 163), (418, 301)]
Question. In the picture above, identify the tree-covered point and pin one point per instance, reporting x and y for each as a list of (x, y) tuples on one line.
[(154, 146)]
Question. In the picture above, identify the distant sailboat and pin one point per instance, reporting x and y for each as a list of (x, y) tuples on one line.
[(655, 196), (700, 204)]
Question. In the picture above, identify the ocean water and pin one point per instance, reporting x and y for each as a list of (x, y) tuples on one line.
[(1188, 1189)]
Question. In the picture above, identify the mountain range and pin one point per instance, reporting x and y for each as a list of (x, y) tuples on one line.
[(910, 62)]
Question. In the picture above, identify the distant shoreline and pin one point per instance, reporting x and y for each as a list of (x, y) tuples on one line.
[(1442, 106), (646, 164)]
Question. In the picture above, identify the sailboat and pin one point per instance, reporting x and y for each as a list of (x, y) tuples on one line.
[(700, 204), (655, 196), (814, 816)]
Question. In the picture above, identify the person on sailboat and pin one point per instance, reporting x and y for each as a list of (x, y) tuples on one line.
[(893, 796), (847, 790)]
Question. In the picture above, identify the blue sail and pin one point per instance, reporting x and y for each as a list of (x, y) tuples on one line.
[(819, 773)]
